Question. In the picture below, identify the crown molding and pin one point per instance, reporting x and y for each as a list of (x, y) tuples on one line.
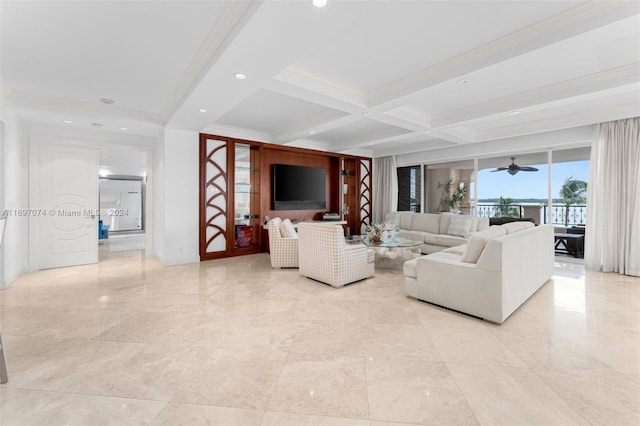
[(36, 101), (233, 18), (236, 132), (350, 99)]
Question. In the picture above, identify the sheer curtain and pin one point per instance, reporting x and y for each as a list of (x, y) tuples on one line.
[(385, 187), (612, 240)]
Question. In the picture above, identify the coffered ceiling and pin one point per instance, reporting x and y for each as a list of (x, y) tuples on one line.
[(379, 76)]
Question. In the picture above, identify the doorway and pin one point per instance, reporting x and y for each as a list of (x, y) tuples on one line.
[(122, 189), (64, 190)]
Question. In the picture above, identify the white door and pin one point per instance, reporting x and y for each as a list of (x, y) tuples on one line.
[(66, 203)]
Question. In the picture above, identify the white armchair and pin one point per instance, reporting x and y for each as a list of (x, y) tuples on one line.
[(283, 251), (324, 255)]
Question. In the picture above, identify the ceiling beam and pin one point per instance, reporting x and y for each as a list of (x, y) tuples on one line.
[(572, 22)]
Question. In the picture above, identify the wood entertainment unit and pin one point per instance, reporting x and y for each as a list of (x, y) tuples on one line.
[(236, 192)]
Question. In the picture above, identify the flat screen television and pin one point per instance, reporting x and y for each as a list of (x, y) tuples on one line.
[(299, 187)]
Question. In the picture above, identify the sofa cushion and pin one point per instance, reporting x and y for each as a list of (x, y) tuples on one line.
[(444, 240), (457, 250), (412, 235), (478, 241), (445, 218), (512, 227), (405, 220), (482, 223), (425, 222), (460, 225), (287, 230)]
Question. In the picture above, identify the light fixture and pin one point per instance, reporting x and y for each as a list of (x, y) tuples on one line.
[(514, 113), (427, 131), (366, 113), (240, 76), (203, 110), (463, 81), (319, 3), (106, 101), (67, 121), (123, 128), (311, 132)]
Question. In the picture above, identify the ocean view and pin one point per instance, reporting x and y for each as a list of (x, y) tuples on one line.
[(529, 186)]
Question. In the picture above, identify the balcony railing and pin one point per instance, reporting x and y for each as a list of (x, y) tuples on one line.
[(560, 214)]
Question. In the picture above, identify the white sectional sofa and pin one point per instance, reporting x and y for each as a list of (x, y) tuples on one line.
[(438, 231), (489, 277)]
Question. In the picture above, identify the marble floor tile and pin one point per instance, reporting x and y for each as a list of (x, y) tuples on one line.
[(602, 396), (417, 392), (232, 378), (285, 419), (402, 341), (30, 407), (206, 415), (500, 395), (331, 338), (232, 341), (321, 385), (472, 346)]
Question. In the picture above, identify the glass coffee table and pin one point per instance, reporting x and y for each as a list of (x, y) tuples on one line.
[(393, 249)]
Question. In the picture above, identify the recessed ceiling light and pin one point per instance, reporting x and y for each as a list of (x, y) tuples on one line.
[(370, 143), (106, 101), (427, 131), (319, 3), (240, 76), (514, 113), (311, 132), (463, 81), (366, 113), (123, 128), (203, 110), (96, 124), (67, 121)]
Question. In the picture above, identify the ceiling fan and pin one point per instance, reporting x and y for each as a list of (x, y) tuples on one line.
[(513, 168)]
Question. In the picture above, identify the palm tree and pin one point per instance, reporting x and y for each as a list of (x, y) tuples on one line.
[(573, 191), (450, 196), (506, 209)]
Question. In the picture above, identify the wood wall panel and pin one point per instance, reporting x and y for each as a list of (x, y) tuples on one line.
[(268, 155), (298, 157)]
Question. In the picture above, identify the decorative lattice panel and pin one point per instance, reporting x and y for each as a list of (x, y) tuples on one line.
[(365, 192), (215, 197)]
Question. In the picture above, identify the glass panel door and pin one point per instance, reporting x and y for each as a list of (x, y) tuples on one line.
[(246, 197)]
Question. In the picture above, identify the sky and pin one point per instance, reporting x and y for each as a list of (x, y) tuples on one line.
[(529, 184)]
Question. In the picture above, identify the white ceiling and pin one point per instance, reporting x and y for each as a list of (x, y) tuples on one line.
[(356, 75)]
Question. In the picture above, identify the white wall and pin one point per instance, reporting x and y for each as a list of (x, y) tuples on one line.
[(176, 200), (14, 179), (15, 182)]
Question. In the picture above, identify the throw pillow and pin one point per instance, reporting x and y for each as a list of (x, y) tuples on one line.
[(478, 241), (287, 230), (459, 225)]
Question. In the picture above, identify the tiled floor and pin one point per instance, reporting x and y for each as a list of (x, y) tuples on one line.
[(231, 342)]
